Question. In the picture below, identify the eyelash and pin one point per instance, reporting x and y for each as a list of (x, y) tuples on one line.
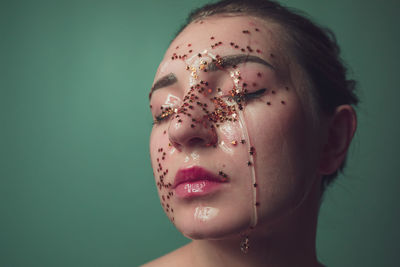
[(244, 97), (248, 96), (164, 115)]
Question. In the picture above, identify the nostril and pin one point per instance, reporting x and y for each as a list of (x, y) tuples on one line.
[(184, 134), (196, 141)]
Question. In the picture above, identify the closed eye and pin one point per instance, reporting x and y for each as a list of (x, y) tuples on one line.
[(246, 96), (255, 94), (164, 115)]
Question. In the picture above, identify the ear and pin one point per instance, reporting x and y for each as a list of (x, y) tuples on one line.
[(341, 129)]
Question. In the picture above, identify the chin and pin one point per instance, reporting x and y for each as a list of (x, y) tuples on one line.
[(219, 224)]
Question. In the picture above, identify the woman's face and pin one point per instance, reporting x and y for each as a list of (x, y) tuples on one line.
[(232, 146)]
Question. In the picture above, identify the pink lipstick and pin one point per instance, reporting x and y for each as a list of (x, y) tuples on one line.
[(196, 181)]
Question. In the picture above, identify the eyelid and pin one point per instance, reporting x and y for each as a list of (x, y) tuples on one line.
[(247, 94), (257, 93), (164, 115)]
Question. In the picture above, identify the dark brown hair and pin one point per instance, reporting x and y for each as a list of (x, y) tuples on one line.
[(314, 46)]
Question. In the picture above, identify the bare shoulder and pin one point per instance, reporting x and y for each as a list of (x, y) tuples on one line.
[(175, 258)]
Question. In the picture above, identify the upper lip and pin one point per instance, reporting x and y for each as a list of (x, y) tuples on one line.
[(195, 173)]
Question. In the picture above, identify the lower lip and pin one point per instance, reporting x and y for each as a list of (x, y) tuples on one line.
[(197, 188)]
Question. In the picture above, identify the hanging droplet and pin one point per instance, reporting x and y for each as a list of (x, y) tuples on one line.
[(244, 245)]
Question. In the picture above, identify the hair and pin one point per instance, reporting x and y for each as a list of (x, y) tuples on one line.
[(315, 48)]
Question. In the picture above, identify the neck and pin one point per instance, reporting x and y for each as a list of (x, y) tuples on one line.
[(291, 243)]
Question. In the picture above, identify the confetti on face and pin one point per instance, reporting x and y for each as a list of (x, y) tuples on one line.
[(206, 106)]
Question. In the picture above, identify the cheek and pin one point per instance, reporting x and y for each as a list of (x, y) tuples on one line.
[(230, 137), (285, 164), (161, 153)]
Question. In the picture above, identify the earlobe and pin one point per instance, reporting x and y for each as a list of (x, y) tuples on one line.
[(341, 130)]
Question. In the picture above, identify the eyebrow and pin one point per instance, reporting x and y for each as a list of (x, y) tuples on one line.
[(233, 60), (222, 62), (164, 81)]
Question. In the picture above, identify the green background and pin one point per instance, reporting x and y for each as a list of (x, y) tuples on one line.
[(76, 186)]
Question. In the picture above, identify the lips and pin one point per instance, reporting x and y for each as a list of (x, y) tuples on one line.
[(196, 181)]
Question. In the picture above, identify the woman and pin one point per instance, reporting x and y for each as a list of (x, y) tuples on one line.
[(253, 118)]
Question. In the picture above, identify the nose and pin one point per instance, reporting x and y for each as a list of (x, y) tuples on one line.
[(189, 130)]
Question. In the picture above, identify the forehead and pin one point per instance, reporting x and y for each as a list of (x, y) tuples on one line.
[(229, 26), (224, 35), (241, 30)]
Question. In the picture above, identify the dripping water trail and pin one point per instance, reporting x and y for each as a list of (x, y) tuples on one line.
[(243, 126)]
